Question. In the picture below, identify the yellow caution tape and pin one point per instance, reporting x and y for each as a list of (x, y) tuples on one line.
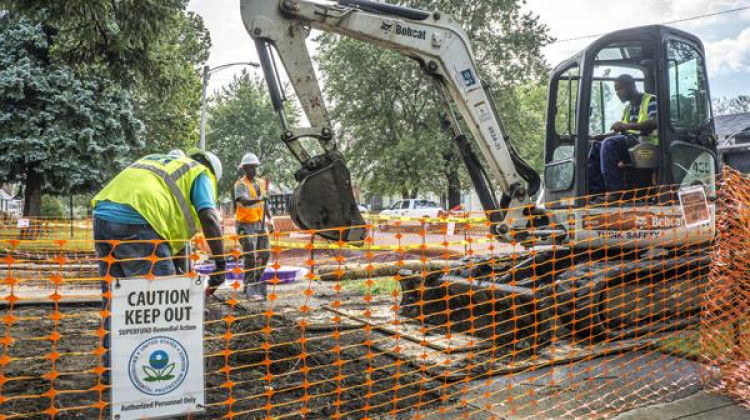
[(375, 217), (364, 247)]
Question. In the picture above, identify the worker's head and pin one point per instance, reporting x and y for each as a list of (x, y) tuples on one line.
[(249, 165), (207, 159), (625, 87)]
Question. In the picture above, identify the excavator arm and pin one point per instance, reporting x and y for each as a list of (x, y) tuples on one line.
[(324, 198)]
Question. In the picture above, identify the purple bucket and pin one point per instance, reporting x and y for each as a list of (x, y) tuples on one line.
[(285, 275), (206, 269)]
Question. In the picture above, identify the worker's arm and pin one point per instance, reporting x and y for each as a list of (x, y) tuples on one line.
[(648, 125), (619, 127), (269, 218), (249, 201), (242, 195), (211, 224), (202, 198)]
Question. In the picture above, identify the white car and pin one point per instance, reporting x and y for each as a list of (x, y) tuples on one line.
[(412, 208)]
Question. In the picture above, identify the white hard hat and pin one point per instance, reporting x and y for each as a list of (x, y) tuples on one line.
[(249, 159), (176, 153), (213, 161)]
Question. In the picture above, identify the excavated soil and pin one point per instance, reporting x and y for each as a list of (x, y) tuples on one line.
[(270, 371)]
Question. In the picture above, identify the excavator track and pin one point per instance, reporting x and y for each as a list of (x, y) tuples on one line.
[(594, 300), (610, 300)]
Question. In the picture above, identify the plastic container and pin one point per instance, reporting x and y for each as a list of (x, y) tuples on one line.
[(206, 269), (285, 274)]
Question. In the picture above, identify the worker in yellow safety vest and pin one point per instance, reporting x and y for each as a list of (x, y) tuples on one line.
[(164, 198), (253, 223), (608, 153), (152, 209)]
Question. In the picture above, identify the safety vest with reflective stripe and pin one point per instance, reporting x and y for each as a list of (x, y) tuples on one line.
[(158, 188), (254, 213), (653, 136)]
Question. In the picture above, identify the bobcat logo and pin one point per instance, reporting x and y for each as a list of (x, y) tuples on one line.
[(386, 26)]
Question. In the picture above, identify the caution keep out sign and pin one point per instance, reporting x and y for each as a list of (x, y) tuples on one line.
[(157, 348)]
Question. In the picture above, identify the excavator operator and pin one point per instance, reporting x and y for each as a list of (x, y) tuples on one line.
[(609, 152)]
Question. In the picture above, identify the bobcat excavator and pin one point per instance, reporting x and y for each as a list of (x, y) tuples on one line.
[(604, 271)]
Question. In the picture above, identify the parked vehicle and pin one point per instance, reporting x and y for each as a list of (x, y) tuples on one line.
[(413, 208)]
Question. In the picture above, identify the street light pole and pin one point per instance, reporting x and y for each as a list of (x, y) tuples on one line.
[(207, 72)]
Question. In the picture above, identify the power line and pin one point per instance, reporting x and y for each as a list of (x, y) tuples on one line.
[(670, 22)]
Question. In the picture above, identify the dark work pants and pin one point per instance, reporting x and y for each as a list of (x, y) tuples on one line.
[(604, 171), (255, 254), (129, 260)]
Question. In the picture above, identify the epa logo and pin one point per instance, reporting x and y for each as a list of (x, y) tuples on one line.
[(158, 366)]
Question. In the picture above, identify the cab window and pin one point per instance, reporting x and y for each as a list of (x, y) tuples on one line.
[(688, 92), (559, 172), (606, 107), (566, 103)]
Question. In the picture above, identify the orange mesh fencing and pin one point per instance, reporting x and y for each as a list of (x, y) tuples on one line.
[(428, 318), (725, 325)]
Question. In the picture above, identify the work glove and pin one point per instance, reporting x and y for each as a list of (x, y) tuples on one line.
[(217, 277)]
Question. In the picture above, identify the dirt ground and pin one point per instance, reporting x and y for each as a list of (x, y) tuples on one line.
[(297, 361), (320, 376)]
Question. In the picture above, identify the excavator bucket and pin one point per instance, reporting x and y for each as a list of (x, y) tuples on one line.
[(324, 201)]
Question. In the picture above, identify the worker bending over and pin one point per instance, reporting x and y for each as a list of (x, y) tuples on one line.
[(252, 219), (155, 206), (610, 151)]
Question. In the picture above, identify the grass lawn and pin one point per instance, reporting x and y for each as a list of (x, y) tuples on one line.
[(378, 286), (688, 343)]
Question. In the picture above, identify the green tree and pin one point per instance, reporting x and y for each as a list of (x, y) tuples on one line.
[(121, 37), (153, 48), (52, 207), (58, 131), (168, 101), (389, 119), (389, 112), (241, 120)]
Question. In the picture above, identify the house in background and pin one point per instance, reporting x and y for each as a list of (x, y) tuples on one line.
[(733, 132), (731, 125), (9, 204)]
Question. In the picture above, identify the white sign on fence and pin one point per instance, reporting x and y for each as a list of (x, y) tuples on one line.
[(157, 347), (23, 223)]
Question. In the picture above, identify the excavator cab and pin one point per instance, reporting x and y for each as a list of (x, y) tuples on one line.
[(665, 62)]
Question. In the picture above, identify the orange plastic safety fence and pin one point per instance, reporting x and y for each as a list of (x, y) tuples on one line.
[(596, 308), (725, 325)]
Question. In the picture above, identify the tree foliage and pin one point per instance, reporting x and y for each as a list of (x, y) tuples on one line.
[(59, 132), (122, 37), (388, 112), (169, 100), (241, 120), (152, 48)]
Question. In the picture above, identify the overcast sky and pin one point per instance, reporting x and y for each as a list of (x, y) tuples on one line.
[(726, 37)]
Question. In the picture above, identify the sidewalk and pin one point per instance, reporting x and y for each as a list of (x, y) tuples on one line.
[(699, 406)]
